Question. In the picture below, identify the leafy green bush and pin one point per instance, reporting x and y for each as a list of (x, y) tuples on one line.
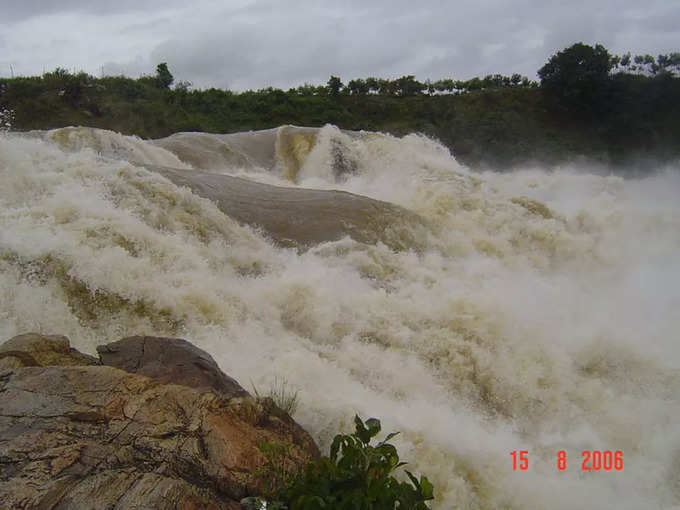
[(356, 476)]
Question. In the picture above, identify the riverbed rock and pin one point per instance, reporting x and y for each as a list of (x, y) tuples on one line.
[(302, 218), (95, 436)]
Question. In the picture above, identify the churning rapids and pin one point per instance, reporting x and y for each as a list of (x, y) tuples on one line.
[(476, 313)]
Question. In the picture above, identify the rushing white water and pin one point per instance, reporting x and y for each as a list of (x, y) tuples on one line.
[(542, 315)]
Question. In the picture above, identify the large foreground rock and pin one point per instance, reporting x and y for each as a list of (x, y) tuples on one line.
[(94, 436)]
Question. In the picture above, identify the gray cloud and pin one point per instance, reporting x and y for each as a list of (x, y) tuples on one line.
[(253, 44), (15, 11)]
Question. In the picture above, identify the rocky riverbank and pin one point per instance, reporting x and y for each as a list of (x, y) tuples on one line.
[(152, 423)]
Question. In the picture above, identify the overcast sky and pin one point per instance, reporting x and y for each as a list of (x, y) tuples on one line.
[(241, 44)]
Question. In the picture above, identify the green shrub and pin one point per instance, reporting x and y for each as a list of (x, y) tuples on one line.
[(356, 476)]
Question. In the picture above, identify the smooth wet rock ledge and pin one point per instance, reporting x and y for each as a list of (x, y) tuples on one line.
[(152, 423)]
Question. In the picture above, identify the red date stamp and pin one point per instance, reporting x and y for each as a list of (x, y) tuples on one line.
[(591, 460)]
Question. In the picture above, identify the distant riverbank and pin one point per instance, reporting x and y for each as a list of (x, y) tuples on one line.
[(497, 122)]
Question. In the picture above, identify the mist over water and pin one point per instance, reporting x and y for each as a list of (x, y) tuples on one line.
[(540, 314)]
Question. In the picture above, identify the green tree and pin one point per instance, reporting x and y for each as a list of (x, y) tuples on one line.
[(163, 76), (409, 86), (372, 84), (578, 76), (387, 87), (358, 86), (334, 86), (429, 86), (445, 85)]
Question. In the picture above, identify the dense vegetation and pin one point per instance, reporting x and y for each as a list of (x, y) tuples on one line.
[(356, 475), (589, 103)]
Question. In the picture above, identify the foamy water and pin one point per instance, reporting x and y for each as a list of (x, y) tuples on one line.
[(542, 314)]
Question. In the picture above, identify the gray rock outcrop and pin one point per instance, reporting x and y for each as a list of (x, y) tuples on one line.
[(169, 360)]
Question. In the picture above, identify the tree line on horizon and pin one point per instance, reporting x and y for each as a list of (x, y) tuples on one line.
[(566, 71), (408, 85), (587, 102)]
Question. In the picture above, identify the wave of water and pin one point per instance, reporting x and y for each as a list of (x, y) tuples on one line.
[(541, 314)]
